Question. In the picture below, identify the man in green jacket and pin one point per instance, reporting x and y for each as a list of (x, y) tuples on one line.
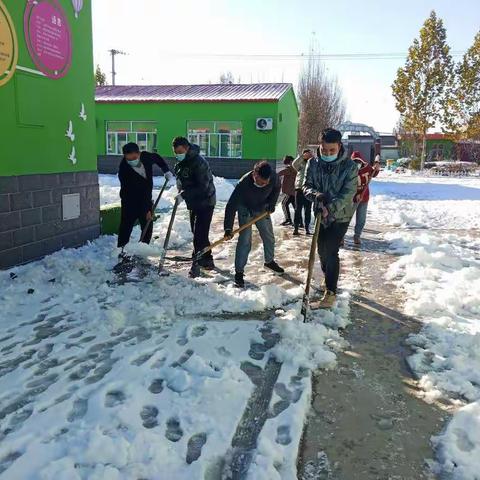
[(331, 183)]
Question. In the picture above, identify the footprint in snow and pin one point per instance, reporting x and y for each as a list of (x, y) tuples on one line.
[(142, 359), (254, 372), (156, 386), (223, 352), (114, 398), (185, 356), (6, 461), (199, 330), (149, 415), (194, 447), (174, 432), (79, 409), (257, 351), (182, 339), (283, 435)]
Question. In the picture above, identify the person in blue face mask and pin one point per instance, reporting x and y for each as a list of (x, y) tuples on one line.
[(195, 182), (331, 183), (136, 184)]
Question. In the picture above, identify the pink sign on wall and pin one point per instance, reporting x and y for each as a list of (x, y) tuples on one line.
[(48, 37)]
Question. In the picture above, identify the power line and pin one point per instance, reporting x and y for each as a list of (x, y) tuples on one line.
[(302, 56)]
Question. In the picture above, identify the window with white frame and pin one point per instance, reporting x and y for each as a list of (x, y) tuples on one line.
[(216, 139), (140, 132)]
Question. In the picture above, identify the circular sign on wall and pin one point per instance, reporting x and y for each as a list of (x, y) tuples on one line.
[(8, 46), (48, 37)]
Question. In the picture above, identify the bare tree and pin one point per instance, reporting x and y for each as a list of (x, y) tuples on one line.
[(321, 101)]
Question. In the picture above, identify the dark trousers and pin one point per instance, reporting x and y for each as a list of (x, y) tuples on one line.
[(287, 200), (301, 203), (200, 221), (128, 218), (329, 241)]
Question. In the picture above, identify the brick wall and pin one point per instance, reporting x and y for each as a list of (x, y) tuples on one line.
[(31, 223), (221, 167)]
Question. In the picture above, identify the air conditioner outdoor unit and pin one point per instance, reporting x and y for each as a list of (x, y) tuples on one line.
[(264, 124)]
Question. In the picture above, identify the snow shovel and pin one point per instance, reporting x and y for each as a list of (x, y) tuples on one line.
[(149, 222), (201, 253), (178, 200), (311, 262)]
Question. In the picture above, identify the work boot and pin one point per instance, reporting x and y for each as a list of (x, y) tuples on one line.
[(274, 267), (207, 263), (194, 270), (296, 232), (356, 240), (286, 223), (328, 299), (239, 281)]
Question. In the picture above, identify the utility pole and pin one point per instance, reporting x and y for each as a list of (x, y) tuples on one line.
[(113, 53)]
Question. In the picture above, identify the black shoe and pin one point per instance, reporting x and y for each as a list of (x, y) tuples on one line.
[(207, 263), (296, 232), (239, 281), (308, 232), (274, 267), (286, 223), (194, 270), (301, 225)]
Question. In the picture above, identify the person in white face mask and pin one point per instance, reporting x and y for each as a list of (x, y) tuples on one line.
[(256, 192), (331, 183), (136, 184)]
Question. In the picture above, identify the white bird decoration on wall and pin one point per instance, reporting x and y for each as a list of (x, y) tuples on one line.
[(77, 6), (69, 133), (83, 113), (72, 157)]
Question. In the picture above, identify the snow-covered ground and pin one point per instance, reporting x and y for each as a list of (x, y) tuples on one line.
[(151, 379), (438, 238)]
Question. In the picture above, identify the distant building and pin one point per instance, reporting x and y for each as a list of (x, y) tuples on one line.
[(235, 125)]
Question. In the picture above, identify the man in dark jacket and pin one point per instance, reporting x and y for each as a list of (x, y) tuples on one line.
[(331, 183), (255, 193), (136, 183), (195, 182)]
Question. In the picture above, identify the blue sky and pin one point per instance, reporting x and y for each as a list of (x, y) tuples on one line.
[(166, 41)]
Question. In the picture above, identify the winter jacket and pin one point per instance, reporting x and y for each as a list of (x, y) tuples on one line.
[(337, 181), (365, 173), (300, 165), (255, 199), (135, 190), (288, 176), (195, 179)]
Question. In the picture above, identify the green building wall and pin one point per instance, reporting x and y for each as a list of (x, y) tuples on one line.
[(36, 109), (35, 171), (171, 120)]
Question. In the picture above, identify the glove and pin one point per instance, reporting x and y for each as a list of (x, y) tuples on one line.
[(270, 208), (228, 234), (168, 176)]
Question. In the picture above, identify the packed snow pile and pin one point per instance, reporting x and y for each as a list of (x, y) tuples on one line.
[(439, 271), (150, 379)]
